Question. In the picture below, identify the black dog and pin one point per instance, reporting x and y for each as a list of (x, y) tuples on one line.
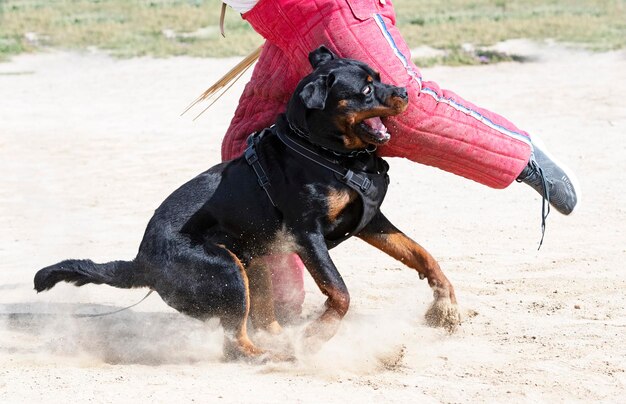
[(311, 179)]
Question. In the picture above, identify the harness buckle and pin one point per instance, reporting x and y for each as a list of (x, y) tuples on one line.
[(348, 176), (362, 182), (251, 156), (250, 138), (263, 181), (366, 184)]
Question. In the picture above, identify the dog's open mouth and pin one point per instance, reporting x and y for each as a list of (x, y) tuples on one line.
[(372, 130)]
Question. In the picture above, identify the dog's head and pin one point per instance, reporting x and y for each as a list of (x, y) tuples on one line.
[(339, 105)]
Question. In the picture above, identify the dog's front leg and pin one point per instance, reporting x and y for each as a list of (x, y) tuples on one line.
[(314, 254), (386, 237), (261, 297)]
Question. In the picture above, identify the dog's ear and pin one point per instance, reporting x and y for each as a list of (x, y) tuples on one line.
[(320, 55), (314, 94)]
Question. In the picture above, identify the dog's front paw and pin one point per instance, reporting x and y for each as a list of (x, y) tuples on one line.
[(445, 314)]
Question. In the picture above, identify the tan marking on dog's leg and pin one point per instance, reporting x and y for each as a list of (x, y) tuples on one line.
[(444, 311), (244, 345), (262, 297)]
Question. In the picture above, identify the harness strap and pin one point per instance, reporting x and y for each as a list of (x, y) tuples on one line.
[(253, 160), (371, 192), (369, 149), (346, 175)]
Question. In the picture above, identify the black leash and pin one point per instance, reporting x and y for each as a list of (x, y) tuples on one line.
[(108, 313)]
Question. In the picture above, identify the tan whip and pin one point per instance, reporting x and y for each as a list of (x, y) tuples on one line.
[(217, 90)]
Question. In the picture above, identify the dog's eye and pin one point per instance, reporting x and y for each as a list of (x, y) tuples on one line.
[(367, 90)]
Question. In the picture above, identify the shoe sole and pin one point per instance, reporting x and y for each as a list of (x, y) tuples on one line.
[(538, 143)]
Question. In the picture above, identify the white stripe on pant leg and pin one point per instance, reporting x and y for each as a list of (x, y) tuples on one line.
[(396, 51), (474, 114), (470, 112)]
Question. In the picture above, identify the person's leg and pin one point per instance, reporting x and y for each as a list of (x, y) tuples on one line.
[(439, 128)]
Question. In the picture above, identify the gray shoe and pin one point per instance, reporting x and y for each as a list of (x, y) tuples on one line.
[(553, 182)]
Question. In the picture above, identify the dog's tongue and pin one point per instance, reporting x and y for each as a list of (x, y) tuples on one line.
[(376, 124)]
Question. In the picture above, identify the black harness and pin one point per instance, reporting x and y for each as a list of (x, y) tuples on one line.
[(371, 187), (252, 158)]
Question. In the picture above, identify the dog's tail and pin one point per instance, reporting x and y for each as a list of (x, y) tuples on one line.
[(120, 274)]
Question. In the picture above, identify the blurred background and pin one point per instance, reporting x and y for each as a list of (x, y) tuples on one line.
[(456, 32)]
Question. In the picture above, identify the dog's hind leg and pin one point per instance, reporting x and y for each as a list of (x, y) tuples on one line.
[(237, 326), (386, 237), (209, 281), (242, 346)]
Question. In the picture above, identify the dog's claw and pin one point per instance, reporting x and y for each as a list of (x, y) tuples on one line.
[(445, 314), (422, 276)]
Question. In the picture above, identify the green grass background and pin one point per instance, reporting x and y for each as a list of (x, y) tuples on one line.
[(128, 28)]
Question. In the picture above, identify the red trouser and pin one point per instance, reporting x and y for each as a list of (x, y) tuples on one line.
[(439, 128)]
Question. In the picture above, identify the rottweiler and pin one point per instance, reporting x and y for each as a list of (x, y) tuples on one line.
[(310, 181)]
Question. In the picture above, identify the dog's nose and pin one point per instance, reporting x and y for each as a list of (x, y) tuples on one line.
[(401, 93)]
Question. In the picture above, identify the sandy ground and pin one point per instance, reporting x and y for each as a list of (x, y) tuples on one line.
[(89, 146)]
